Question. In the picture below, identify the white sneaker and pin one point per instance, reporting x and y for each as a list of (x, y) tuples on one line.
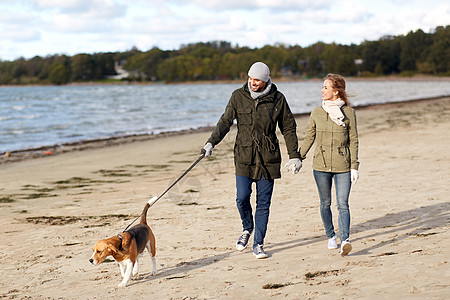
[(332, 243), (346, 247)]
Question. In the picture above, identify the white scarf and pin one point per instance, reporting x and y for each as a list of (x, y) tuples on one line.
[(333, 108)]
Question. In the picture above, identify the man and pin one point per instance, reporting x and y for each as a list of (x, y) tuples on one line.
[(258, 107)]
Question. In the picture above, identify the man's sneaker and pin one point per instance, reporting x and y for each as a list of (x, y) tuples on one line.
[(258, 252), (332, 243), (346, 247), (243, 240)]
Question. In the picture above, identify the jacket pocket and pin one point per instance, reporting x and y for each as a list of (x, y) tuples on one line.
[(342, 158), (346, 153), (319, 157), (243, 151), (244, 117)]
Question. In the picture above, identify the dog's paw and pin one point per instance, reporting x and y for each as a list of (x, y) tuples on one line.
[(122, 285)]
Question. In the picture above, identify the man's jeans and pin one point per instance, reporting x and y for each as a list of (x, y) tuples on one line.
[(342, 182), (264, 189)]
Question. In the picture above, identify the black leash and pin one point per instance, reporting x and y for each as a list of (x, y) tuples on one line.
[(154, 199)]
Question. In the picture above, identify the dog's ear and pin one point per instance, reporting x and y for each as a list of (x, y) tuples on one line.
[(126, 241), (112, 248)]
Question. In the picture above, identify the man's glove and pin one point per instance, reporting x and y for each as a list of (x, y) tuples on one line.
[(354, 175), (207, 149), (294, 165)]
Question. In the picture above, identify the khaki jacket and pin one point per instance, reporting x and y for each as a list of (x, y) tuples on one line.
[(336, 147), (256, 149)]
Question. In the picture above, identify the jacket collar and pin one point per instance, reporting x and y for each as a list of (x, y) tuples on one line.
[(270, 95)]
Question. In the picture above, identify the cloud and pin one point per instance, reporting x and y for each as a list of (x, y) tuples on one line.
[(72, 26), (252, 5), (17, 34), (74, 16), (12, 29), (437, 16), (87, 8), (77, 15), (66, 5)]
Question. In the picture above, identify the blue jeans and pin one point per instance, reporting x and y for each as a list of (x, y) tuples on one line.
[(264, 189), (342, 182)]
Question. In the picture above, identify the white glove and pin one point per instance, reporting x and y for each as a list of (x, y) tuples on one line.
[(294, 165), (207, 149), (354, 175)]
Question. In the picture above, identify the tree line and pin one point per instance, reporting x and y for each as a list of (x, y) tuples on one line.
[(415, 53)]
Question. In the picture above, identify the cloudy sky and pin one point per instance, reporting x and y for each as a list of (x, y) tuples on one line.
[(44, 27)]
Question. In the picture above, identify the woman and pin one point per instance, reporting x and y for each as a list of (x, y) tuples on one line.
[(333, 127)]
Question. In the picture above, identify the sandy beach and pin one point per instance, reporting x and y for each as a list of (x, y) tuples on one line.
[(55, 207)]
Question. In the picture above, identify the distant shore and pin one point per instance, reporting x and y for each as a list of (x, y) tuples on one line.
[(417, 77)]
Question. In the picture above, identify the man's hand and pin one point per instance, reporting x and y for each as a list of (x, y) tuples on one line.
[(294, 165), (207, 149)]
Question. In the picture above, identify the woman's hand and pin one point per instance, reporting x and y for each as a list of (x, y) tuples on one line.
[(354, 175)]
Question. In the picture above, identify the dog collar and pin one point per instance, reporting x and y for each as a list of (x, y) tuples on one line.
[(121, 240)]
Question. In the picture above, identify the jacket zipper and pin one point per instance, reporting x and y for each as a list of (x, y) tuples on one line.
[(323, 157)]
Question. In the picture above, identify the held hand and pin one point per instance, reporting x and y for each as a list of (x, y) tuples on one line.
[(207, 149), (294, 165), (354, 175)]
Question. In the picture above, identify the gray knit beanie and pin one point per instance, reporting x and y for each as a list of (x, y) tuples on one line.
[(259, 71)]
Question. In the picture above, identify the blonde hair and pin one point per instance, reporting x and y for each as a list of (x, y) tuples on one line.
[(338, 83)]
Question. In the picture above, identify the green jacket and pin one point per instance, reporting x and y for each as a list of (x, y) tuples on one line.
[(336, 146), (256, 149)]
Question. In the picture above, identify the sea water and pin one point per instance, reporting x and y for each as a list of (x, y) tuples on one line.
[(36, 116)]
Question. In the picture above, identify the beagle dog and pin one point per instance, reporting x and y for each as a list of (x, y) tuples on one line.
[(127, 246)]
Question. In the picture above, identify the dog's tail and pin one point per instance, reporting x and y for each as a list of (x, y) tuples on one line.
[(146, 207)]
